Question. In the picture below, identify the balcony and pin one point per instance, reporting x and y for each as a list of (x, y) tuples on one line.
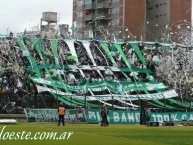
[(85, 29), (104, 16), (89, 17), (79, 19), (115, 15), (89, 6), (103, 6), (115, 4), (101, 27)]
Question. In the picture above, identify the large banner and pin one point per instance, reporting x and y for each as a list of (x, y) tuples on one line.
[(93, 116), (114, 116), (115, 87), (133, 117), (50, 115), (165, 94), (174, 116), (103, 85)]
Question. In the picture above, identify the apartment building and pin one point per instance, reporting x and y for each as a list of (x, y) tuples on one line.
[(129, 19), (167, 16), (109, 19)]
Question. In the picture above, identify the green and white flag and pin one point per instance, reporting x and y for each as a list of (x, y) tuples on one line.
[(74, 28), (24, 32), (57, 31), (90, 32)]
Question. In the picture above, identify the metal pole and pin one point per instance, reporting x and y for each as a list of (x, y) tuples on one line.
[(164, 104), (57, 100), (28, 100), (139, 104), (85, 101), (71, 101), (112, 103)]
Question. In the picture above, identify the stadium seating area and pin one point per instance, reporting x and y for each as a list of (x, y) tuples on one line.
[(40, 72)]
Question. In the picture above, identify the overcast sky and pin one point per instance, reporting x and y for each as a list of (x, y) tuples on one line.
[(16, 15)]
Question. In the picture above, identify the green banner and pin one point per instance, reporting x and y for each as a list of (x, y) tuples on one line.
[(50, 115), (173, 116), (54, 45), (103, 85), (114, 116), (106, 49), (93, 116), (37, 45), (133, 117), (138, 52), (118, 46)]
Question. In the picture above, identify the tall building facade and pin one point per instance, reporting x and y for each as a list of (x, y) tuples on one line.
[(109, 19), (131, 19), (167, 17)]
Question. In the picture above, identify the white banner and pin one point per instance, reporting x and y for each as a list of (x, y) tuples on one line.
[(168, 94), (45, 89), (155, 96)]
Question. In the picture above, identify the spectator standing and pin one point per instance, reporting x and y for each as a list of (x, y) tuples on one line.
[(104, 114), (61, 113), (147, 115)]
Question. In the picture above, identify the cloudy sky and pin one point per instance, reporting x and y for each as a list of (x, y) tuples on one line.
[(16, 15)]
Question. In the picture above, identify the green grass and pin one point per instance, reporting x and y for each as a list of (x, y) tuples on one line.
[(90, 134)]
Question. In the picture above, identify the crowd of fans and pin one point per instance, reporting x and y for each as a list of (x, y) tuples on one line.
[(171, 65), (175, 68), (12, 74)]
